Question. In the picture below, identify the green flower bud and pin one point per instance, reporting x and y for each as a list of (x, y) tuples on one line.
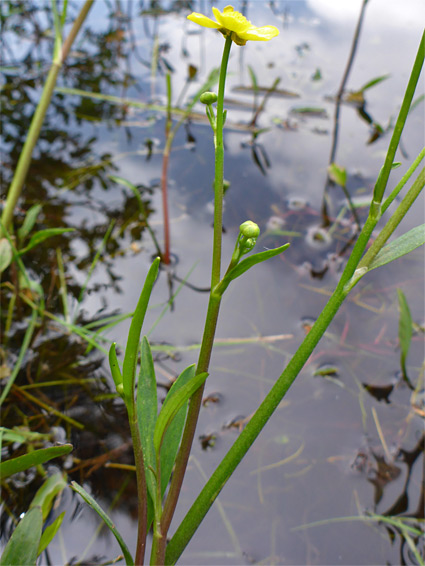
[(249, 229), (208, 98)]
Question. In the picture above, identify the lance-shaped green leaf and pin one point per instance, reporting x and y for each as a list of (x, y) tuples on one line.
[(169, 410), (47, 492), (29, 221), (42, 235), (399, 247), (115, 368), (6, 254), (106, 519), (404, 330), (173, 434), (147, 410), (131, 351), (22, 547), (50, 532), (21, 463), (246, 264), (337, 174)]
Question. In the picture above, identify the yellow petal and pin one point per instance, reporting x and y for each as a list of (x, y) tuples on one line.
[(203, 20), (264, 33), (231, 19)]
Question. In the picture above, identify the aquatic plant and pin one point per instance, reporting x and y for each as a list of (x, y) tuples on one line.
[(162, 442)]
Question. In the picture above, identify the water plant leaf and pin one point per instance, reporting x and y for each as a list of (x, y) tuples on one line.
[(131, 351), (115, 368), (6, 254), (47, 492), (21, 463), (169, 410), (29, 221), (399, 247), (373, 82), (22, 547), (337, 174), (246, 264), (147, 410), (404, 330), (173, 434), (20, 435), (106, 519), (42, 235), (49, 533)]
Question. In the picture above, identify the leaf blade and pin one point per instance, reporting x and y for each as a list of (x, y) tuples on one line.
[(106, 519), (132, 348), (22, 546), (21, 463), (399, 247), (170, 409)]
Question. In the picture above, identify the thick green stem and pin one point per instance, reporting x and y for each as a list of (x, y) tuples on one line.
[(213, 308), (37, 120)]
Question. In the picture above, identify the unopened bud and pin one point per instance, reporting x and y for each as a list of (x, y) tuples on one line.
[(249, 229), (208, 98)]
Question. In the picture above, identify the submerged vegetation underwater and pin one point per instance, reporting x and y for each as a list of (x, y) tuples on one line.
[(123, 171)]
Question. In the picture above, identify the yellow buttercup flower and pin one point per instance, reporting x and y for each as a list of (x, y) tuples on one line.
[(234, 25)]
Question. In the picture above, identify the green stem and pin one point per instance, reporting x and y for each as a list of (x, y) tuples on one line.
[(37, 121), (394, 221), (381, 183), (212, 313), (403, 181)]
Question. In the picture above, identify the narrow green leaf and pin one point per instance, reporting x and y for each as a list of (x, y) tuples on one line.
[(399, 247), (21, 463), (131, 351), (147, 411), (115, 368), (173, 434), (170, 409), (22, 547), (6, 254), (47, 492), (106, 519), (246, 264), (29, 221), (373, 82), (337, 174), (253, 78), (404, 330), (42, 235), (49, 533)]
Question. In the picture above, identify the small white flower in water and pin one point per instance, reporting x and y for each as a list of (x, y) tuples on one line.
[(296, 203), (318, 238), (275, 223)]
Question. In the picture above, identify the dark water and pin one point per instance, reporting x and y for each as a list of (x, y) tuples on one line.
[(348, 438)]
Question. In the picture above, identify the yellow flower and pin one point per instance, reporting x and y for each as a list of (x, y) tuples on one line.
[(234, 25)]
